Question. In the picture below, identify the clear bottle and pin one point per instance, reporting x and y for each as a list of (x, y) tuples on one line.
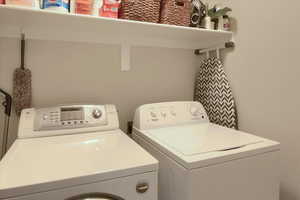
[(220, 22), (226, 23)]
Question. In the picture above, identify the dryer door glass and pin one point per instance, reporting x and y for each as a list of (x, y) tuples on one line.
[(95, 196)]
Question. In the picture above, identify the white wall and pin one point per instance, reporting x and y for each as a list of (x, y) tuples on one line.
[(263, 70), (65, 73)]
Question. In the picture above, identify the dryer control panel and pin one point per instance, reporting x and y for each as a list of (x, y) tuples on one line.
[(69, 119), (65, 117), (169, 113)]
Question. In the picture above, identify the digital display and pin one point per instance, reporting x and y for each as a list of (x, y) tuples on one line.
[(71, 113)]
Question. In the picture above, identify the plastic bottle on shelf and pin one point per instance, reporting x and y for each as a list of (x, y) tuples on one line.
[(110, 8), (84, 7), (56, 5), (207, 19), (25, 3), (220, 24), (96, 7), (226, 23)]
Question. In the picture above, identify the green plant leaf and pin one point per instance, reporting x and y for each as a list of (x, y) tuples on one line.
[(219, 13)]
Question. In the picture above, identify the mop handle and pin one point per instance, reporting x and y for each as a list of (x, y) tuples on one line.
[(23, 51)]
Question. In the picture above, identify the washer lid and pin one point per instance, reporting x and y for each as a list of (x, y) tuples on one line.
[(202, 138), (202, 144), (43, 164)]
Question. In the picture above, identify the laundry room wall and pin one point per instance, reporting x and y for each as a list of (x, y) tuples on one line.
[(66, 73), (264, 73), (263, 70)]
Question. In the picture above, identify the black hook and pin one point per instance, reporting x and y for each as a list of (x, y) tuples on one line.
[(7, 103)]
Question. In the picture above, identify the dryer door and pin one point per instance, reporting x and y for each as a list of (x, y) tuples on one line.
[(95, 196)]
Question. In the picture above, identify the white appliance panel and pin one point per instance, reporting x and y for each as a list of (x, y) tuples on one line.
[(122, 187), (172, 176), (201, 160), (247, 178), (201, 138), (70, 117), (63, 120), (57, 162), (167, 114), (197, 143), (256, 177), (51, 160)]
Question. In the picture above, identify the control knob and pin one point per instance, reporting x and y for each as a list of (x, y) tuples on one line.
[(97, 113), (194, 111)]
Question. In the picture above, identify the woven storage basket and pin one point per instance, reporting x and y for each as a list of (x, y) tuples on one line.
[(176, 12), (140, 10)]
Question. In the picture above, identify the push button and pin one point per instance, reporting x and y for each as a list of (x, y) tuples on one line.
[(45, 117), (153, 114)]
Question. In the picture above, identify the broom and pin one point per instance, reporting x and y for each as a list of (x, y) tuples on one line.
[(22, 83)]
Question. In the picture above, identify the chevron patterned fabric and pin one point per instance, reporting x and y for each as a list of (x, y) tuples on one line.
[(212, 89)]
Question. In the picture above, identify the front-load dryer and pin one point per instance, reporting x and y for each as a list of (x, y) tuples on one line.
[(201, 160), (76, 153)]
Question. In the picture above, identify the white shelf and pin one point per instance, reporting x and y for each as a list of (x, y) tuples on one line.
[(48, 25)]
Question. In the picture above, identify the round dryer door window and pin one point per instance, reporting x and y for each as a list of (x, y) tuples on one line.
[(95, 196)]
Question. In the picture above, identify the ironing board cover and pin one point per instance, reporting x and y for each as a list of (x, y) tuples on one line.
[(212, 89)]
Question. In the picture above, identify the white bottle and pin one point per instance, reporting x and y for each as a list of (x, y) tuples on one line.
[(207, 19), (207, 22), (220, 19), (220, 23)]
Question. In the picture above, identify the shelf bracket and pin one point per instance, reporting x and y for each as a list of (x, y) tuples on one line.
[(125, 57)]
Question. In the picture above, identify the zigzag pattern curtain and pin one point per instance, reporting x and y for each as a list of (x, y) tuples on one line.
[(212, 89)]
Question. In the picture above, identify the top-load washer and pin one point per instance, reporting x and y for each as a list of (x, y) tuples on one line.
[(76, 153), (201, 160)]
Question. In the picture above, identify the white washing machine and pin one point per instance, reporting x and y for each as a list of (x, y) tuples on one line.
[(201, 160), (76, 153)]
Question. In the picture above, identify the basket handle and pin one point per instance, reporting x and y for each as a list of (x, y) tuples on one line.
[(179, 3)]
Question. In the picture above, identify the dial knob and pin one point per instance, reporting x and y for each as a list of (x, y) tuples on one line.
[(194, 111), (97, 113)]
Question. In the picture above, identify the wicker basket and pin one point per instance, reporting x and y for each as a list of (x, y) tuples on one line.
[(140, 10), (176, 12)]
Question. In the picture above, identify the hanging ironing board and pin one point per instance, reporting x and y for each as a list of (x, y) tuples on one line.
[(213, 90)]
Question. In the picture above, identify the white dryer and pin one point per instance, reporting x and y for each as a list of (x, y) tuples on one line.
[(201, 160), (76, 153)]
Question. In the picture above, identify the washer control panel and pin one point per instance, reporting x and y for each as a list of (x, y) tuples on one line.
[(169, 113), (66, 117)]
